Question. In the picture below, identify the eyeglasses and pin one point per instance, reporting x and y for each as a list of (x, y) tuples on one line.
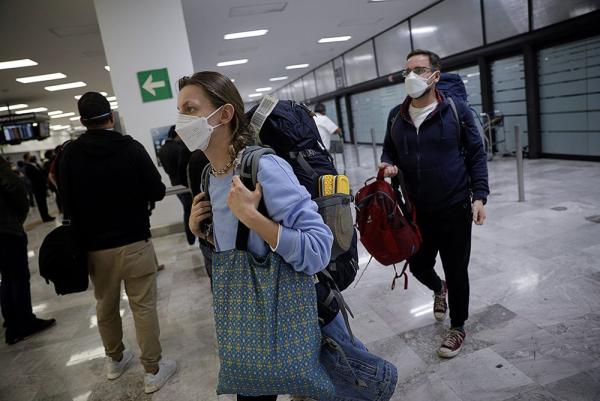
[(416, 70)]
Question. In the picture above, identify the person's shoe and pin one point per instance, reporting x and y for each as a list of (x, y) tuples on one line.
[(36, 326), (166, 369), (452, 343), (114, 369), (440, 306)]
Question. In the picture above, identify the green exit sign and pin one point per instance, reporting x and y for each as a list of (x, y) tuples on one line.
[(154, 85)]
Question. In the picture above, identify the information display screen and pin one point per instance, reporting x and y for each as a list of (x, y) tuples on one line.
[(19, 132)]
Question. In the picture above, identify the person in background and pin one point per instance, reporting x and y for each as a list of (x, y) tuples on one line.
[(326, 127), (49, 157), (39, 185), (174, 157), (445, 167), (107, 181), (15, 291), (26, 182)]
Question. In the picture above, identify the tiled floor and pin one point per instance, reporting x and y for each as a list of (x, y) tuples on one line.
[(534, 331)]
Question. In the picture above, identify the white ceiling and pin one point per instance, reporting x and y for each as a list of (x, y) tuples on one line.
[(63, 36), (292, 37)]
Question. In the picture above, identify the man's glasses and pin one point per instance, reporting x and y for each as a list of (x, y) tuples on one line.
[(416, 70)]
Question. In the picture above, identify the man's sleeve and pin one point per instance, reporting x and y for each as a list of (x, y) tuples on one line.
[(150, 180), (389, 153), (475, 156), (330, 126), (16, 194)]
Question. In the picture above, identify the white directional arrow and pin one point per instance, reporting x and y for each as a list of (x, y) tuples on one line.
[(149, 85)]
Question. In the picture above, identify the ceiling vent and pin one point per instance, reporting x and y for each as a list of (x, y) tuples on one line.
[(75, 30), (256, 9)]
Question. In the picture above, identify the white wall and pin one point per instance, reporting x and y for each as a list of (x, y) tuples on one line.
[(141, 35)]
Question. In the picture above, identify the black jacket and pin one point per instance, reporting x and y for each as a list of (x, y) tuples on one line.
[(107, 181), (14, 204), (174, 157), (37, 176), (442, 164)]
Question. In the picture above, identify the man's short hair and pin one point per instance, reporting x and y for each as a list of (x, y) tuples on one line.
[(434, 59), (320, 108), (94, 109)]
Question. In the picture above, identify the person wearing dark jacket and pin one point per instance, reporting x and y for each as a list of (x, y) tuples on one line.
[(174, 157), (445, 170), (107, 181), (15, 293), (39, 184)]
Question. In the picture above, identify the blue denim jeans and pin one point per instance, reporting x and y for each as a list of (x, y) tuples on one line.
[(377, 375)]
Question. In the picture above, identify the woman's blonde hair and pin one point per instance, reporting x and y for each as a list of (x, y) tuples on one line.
[(220, 90)]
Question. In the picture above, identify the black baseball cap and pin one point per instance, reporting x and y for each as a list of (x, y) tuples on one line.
[(93, 106)]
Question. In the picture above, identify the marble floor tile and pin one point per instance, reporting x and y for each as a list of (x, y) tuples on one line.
[(483, 376), (534, 394), (580, 387)]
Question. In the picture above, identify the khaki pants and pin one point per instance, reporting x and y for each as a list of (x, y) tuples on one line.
[(135, 265)]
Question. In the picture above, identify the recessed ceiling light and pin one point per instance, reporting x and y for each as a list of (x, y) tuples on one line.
[(55, 112), (363, 57), (61, 87), (114, 103), (77, 97), (232, 62), (265, 89), (107, 67), (74, 118), (58, 127), (255, 94), (35, 110), (425, 29), (13, 107), (334, 39), (111, 98), (63, 115), (40, 78), (5, 65), (114, 107), (247, 34), (232, 79), (278, 78), (296, 66)]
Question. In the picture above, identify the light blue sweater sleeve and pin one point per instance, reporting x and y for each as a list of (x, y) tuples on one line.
[(304, 239)]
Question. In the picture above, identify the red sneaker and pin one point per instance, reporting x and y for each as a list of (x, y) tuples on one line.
[(452, 343), (440, 306)]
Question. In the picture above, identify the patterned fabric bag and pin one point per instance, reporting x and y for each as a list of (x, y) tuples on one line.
[(267, 328)]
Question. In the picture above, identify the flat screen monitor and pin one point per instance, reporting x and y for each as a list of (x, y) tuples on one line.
[(19, 132)]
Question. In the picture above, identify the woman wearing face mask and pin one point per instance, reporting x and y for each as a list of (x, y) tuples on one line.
[(212, 119)]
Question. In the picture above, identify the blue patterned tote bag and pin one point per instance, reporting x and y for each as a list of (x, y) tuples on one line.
[(267, 328)]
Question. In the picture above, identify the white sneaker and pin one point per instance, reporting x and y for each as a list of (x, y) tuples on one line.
[(166, 369), (115, 369)]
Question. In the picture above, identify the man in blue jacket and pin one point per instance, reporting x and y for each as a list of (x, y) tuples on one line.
[(444, 164)]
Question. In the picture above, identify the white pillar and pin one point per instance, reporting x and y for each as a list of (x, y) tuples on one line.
[(141, 35)]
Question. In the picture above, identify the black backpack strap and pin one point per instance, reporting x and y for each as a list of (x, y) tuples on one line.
[(335, 294), (249, 176), (329, 342), (205, 181)]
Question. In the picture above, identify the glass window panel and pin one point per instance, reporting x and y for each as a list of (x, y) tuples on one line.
[(298, 90), (392, 47), (449, 27), (548, 12), (505, 18), (339, 72), (345, 120), (370, 110), (360, 64), (570, 98), (310, 89), (325, 79), (508, 84)]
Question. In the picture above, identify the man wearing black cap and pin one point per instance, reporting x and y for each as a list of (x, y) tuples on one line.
[(107, 181)]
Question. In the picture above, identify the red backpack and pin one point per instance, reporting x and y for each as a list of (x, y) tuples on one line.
[(387, 223)]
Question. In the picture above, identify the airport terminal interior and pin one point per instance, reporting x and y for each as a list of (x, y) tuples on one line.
[(531, 69)]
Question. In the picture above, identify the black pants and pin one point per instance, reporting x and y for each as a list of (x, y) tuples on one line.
[(448, 232), (186, 202), (259, 398), (15, 294), (42, 205)]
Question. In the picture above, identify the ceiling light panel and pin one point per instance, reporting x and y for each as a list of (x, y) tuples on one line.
[(247, 34), (334, 39), (107, 67), (61, 87), (296, 66), (63, 115), (13, 107), (255, 94), (111, 98), (4, 65), (55, 112), (278, 78), (232, 62), (74, 118), (265, 89), (35, 110), (40, 78)]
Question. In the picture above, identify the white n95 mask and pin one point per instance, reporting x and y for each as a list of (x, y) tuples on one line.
[(195, 131), (416, 85)]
